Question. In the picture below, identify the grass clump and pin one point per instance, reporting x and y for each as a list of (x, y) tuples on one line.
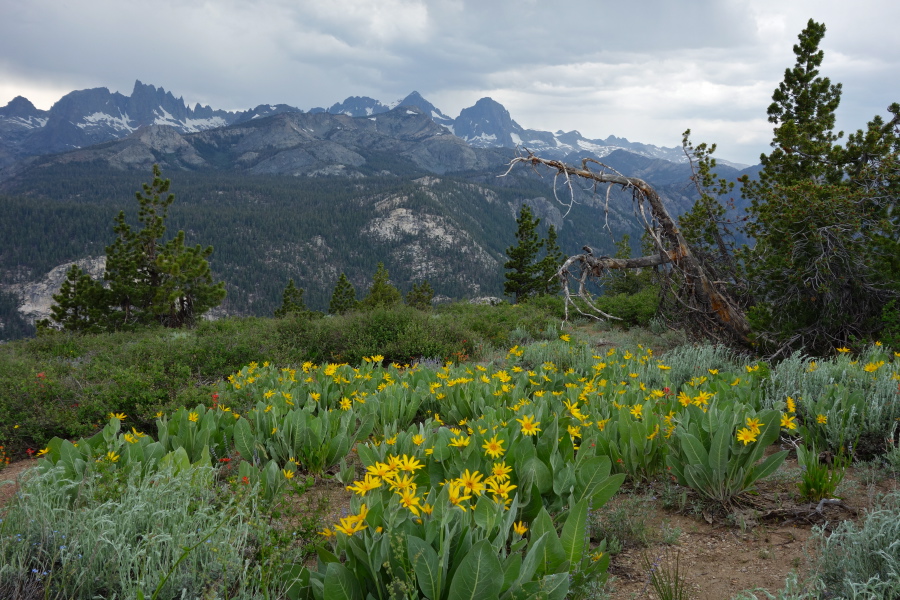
[(624, 524)]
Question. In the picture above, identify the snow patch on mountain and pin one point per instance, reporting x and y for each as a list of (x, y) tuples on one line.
[(194, 125), (26, 122), (120, 123)]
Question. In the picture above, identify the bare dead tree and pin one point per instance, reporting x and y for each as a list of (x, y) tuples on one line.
[(703, 305)]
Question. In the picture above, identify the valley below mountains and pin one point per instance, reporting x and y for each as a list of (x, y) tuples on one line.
[(281, 193)]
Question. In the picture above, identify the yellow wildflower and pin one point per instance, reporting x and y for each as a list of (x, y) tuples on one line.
[(367, 484), (493, 447), (471, 482), (746, 435), (529, 425), (754, 425), (787, 421), (460, 442)]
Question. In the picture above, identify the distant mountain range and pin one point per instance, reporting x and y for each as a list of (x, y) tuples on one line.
[(88, 117), (282, 193)]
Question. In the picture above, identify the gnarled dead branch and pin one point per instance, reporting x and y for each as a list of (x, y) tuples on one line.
[(704, 305)]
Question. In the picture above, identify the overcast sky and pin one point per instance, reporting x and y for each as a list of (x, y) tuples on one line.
[(644, 70)]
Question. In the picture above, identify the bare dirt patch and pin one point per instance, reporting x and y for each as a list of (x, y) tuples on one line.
[(9, 479), (755, 545)]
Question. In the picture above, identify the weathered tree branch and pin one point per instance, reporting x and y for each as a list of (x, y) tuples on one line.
[(706, 303)]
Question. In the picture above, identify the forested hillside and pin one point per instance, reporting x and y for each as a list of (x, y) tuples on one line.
[(267, 229)]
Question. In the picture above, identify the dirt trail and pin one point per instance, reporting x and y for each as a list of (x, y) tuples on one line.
[(9, 479)]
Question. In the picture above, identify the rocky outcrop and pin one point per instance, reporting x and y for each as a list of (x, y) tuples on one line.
[(36, 297)]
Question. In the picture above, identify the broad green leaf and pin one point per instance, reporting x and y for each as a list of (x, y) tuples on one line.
[(590, 474), (552, 558), (693, 449), (153, 452), (555, 586), (548, 440), (340, 584), (563, 479), (512, 566), (479, 576), (718, 453), (68, 453), (244, 442), (366, 455), (769, 466), (573, 536), (606, 490), (424, 561), (534, 504), (535, 472), (533, 557), (484, 513), (326, 557)]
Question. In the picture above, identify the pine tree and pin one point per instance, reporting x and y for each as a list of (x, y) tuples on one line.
[(420, 296), (803, 108), (131, 270), (812, 270), (186, 288), (291, 301), (382, 293), (551, 262), (343, 299), (625, 281), (523, 273), (148, 281), (79, 305)]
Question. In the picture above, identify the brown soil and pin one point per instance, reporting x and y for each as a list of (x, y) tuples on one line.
[(9, 479), (755, 545)]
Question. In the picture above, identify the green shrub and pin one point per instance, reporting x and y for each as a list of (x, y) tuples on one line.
[(635, 310), (401, 334), (890, 322)]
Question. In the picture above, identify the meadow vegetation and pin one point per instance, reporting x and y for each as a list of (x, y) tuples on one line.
[(477, 449)]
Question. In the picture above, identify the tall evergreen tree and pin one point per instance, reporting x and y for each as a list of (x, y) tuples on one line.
[(186, 289), (812, 270), (420, 296), (291, 301), (382, 293), (79, 305), (343, 299), (148, 281), (625, 281), (523, 272), (551, 262)]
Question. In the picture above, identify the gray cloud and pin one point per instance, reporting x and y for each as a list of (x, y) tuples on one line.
[(642, 70)]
